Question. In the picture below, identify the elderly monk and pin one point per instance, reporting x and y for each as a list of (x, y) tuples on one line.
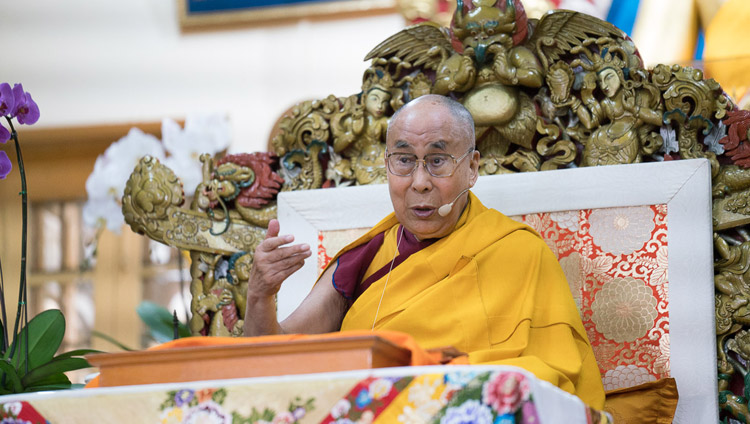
[(443, 267)]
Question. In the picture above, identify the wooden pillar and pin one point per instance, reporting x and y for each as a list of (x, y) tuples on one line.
[(118, 288), (10, 250)]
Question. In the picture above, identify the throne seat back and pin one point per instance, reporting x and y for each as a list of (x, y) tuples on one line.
[(634, 242)]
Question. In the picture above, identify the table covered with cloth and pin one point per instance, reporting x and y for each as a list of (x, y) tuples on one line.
[(417, 394)]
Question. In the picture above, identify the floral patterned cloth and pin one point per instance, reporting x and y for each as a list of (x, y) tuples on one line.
[(615, 260), (437, 394), (20, 412)]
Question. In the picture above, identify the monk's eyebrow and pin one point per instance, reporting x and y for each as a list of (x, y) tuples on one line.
[(438, 145), (402, 144)]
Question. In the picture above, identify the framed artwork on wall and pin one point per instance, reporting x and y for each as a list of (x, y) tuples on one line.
[(206, 14)]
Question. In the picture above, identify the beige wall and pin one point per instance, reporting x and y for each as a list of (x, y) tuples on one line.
[(111, 61), (102, 65)]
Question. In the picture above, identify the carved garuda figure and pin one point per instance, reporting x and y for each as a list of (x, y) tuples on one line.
[(565, 90)]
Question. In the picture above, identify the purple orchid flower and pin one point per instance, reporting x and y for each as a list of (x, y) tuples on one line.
[(25, 110), (5, 165), (7, 99), (4, 134)]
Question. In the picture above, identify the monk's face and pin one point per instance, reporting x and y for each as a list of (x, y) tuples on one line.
[(427, 127)]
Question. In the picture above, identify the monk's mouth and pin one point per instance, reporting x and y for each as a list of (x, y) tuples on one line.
[(423, 212)]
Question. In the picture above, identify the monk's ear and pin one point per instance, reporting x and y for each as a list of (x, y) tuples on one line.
[(474, 164)]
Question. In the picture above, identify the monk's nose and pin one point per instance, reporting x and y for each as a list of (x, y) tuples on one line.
[(421, 179)]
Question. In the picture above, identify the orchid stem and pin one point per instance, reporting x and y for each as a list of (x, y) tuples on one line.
[(5, 343), (22, 288)]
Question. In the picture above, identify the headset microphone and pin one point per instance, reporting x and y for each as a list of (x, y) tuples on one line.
[(446, 208)]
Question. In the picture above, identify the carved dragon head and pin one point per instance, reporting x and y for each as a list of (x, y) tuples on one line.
[(150, 192), (484, 25)]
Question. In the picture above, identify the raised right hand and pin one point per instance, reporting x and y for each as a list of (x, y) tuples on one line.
[(274, 262)]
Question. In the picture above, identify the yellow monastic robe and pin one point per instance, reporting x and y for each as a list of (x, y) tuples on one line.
[(492, 289)]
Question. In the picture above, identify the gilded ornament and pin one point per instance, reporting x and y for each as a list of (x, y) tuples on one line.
[(230, 208), (359, 130), (732, 279), (621, 127), (553, 150), (308, 122), (302, 169), (218, 300), (150, 193)]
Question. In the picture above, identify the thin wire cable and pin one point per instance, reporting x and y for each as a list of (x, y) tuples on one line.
[(388, 277)]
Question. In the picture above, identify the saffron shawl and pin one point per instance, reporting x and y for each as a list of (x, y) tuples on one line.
[(492, 289)]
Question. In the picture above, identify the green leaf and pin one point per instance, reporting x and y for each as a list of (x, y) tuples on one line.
[(48, 387), (159, 321), (57, 366), (9, 371), (77, 352), (58, 378), (45, 332)]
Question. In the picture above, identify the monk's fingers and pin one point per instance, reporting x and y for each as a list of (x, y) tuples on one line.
[(272, 243), (267, 265), (273, 228), (274, 262), (290, 251), (283, 273), (263, 257), (268, 280), (282, 264)]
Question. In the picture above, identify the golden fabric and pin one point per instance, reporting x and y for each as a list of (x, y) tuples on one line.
[(652, 402), (493, 289)]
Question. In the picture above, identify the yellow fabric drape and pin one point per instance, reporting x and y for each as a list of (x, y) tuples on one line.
[(493, 289)]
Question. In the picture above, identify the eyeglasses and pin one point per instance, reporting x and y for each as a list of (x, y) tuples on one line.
[(437, 164)]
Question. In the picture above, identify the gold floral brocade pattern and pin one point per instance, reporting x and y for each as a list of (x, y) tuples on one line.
[(624, 309), (621, 230), (615, 260)]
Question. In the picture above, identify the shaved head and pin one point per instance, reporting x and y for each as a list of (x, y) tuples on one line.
[(462, 119), (431, 127)]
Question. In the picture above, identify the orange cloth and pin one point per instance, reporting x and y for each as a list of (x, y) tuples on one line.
[(419, 356)]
